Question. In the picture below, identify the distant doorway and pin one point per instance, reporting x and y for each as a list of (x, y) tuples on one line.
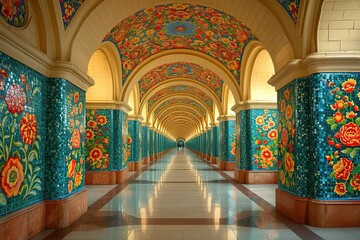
[(180, 144)]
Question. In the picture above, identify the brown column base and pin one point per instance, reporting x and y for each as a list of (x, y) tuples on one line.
[(334, 213), (122, 175), (62, 213), (256, 176), (208, 157), (227, 166), (293, 207), (134, 166), (145, 160), (152, 158), (214, 160), (25, 223), (318, 213), (100, 178)]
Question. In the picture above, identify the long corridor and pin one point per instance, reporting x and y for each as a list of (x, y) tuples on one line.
[(181, 197)]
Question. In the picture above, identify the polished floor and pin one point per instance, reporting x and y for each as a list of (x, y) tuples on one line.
[(181, 197)]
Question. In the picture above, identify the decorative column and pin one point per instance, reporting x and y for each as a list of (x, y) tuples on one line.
[(257, 142), (134, 163), (106, 143), (145, 143), (319, 142), (152, 144), (227, 143), (208, 144), (215, 144)]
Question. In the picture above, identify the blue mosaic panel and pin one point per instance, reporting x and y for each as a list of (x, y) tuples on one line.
[(134, 133), (259, 139), (238, 145), (145, 141), (151, 142), (228, 141), (99, 140), (335, 130), (291, 7), (22, 135), (65, 160), (120, 140), (208, 142), (215, 141), (294, 116), (69, 9)]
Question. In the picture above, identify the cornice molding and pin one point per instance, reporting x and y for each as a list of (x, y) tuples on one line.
[(253, 104), (316, 63), (109, 105), (15, 47), (226, 118), (135, 118)]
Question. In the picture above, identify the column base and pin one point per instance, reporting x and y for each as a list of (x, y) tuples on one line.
[(214, 160), (227, 166), (256, 176), (25, 223), (146, 160), (331, 214), (135, 166), (63, 212), (100, 178), (122, 175)]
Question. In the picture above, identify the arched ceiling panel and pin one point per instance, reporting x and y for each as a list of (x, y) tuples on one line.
[(182, 108), (181, 100), (180, 26), (181, 70), (291, 7), (180, 89)]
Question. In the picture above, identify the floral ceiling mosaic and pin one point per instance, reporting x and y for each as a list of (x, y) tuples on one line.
[(180, 89), (180, 26), (291, 7), (69, 9), (14, 12), (186, 101), (181, 70)]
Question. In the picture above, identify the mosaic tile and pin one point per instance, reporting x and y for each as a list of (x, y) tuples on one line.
[(145, 141), (257, 139), (135, 135), (291, 7), (215, 141), (15, 13), (228, 141), (68, 9), (22, 136)]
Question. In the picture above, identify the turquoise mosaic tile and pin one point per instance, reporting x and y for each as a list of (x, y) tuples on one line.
[(135, 134), (145, 141), (228, 141), (291, 7), (22, 136), (334, 127), (121, 147), (99, 140), (258, 138), (215, 141), (151, 142)]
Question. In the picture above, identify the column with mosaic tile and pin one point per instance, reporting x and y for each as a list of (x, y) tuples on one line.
[(134, 131), (145, 143), (227, 143), (208, 144), (214, 144), (257, 142), (151, 144), (319, 140)]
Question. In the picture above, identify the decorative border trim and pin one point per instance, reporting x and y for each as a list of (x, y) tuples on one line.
[(251, 104), (15, 47), (316, 63)]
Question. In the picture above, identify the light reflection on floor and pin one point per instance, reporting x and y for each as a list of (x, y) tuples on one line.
[(181, 197)]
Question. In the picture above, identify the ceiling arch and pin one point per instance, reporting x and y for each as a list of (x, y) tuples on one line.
[(180, 26)]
